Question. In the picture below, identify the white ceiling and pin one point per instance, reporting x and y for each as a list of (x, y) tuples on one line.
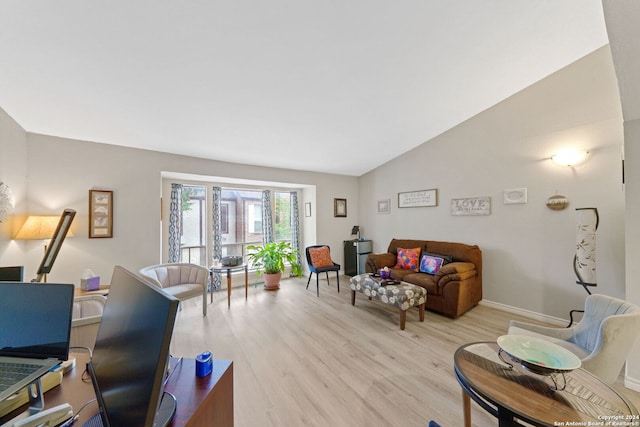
[(324, 85)]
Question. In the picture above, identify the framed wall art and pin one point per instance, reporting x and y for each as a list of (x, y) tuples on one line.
[(418, 199), (471, 206), (100, 214), (340, 207), (384, 206), (515, 196)]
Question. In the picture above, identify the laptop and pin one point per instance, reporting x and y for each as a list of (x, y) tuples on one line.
[(35, 326)]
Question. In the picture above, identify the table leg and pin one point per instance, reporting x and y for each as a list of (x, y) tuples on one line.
[(229, 288), (211, 286), (246, 282), (466, 408)]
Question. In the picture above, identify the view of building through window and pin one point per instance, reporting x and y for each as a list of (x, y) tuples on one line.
[(241, 221)]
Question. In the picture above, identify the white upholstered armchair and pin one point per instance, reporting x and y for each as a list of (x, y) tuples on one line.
[(602, 339), (182, 280), (87, 314)]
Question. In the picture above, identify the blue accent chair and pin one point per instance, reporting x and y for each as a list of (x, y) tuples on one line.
[(335, 267)]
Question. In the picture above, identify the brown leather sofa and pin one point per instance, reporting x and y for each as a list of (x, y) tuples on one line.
[(453, 290)]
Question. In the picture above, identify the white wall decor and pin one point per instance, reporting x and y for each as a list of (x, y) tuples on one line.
[(471, 206), (515, 196), (7, 201), (384, 206), (416, 199), (557, 202)]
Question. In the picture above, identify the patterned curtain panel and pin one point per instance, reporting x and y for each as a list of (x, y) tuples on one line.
[(267, 223), (295, 225), (217, 234), (175, 219)]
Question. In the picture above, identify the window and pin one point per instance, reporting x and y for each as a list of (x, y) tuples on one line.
[(241, 221), (282, 219), (193, 226), (241, 218), (254, 217)]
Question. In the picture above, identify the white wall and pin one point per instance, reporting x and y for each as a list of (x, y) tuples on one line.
[(622, 18), (13, 167), (527, 248), (61, 171)]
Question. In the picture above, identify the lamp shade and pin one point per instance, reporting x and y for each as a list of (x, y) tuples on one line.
[(38, 227)]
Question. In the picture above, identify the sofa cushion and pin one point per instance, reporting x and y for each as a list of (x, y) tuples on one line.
[(426, 281), (408, 258), (320, 257)]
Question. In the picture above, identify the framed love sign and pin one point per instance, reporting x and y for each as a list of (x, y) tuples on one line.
[(471, 206)]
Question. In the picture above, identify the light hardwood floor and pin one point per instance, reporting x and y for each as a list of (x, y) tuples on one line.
[(300, 360)]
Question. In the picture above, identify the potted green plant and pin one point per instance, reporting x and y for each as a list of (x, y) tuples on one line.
[(269, 259)]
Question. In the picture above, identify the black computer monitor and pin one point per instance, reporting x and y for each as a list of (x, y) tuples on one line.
[(131, 352), (12, 274)]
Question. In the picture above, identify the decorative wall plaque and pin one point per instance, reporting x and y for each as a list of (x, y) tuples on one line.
[(471, 206), (557, 202), (416, 199), (515, 196)]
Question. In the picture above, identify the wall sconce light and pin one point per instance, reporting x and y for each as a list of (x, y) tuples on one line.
[(569, 157)]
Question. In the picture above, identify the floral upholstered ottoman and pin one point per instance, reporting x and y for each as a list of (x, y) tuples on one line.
[(402, 295)]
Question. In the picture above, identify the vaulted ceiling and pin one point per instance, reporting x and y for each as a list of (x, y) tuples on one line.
[(330, 86)]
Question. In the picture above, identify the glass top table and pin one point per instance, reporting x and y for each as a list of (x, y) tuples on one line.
[(515, 394)]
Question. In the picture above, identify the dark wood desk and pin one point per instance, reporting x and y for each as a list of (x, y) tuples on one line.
[(229, 269), (201, 402), (512, 394)]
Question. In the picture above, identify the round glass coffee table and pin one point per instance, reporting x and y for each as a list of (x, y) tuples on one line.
[(513, 393)]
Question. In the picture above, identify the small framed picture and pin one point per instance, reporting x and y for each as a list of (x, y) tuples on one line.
[(307, 209), (515, 196), (384, 206), (340, 207), (100, 214)]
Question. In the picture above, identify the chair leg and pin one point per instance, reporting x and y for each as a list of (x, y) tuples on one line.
[(318, 284), (338, 281), (308, 280), (204, 303), (327, 274)]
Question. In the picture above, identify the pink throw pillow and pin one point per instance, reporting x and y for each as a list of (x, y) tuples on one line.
[(408, 258)]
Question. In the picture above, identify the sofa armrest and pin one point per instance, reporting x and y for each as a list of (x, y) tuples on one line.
[(455, 271), (378, 261)]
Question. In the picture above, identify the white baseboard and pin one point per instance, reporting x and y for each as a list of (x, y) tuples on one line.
[(526, 313), (630, 383)]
